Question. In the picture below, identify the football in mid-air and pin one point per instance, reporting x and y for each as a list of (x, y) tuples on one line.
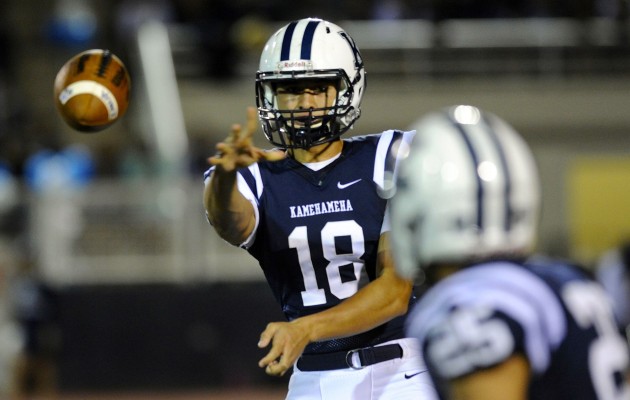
[(92, 90)]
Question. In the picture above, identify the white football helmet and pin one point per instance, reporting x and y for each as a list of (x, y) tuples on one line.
[(467, 191), (309, 49)]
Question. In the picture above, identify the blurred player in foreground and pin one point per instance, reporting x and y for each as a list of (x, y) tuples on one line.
[(313, 214), (496, 323), (613, 272)]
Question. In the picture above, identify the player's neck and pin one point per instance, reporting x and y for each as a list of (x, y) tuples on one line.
[(318, 153)]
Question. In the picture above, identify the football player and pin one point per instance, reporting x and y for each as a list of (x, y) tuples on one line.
[(313, 213), (497, 322)]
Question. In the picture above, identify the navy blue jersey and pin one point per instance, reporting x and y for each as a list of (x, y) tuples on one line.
[(550, 312), (317, 232)]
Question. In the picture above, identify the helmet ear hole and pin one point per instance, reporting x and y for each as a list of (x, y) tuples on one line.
[(301, 50)]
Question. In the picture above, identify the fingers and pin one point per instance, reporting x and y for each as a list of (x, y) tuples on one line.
[(274, 155), (242, 137), (238, 151), (266, 336), (275, 365), (271, 369), (252, 121), (278, 360), (271, 358), (271, 155), (276, 369), (270, 361)]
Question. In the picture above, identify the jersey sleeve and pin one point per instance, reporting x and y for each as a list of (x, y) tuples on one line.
[(392, 147), (251, 187), (249, 184)]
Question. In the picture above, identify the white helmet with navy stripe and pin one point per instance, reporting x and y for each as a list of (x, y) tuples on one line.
[(309, 49), (468, 190)]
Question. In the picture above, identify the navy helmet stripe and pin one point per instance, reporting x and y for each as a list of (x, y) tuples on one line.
[(307, 41), (475, 159), (286, 41), (507, 190)]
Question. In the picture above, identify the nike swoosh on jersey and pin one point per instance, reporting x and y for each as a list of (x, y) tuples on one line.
[(345, 185), (409, 376)]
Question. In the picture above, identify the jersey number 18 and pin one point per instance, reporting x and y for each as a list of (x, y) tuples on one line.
[(313, 294)]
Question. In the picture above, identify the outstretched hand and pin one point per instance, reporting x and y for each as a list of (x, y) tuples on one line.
[(238, 151), (288, 340)]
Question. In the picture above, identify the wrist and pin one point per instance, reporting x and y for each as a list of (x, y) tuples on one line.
[(308, 329)]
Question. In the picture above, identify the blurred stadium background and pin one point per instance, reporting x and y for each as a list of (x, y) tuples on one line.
[(112, 284)]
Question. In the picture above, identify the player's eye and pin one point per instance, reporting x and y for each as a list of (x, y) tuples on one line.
[(289, 90), (300, 90)]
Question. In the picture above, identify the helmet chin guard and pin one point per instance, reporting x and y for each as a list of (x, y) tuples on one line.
[(309, 49), (304, 132)]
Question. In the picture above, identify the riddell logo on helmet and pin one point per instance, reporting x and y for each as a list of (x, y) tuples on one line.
[(305, 64)]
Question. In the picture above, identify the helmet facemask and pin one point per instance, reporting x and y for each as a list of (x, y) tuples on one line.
[(304, 127)]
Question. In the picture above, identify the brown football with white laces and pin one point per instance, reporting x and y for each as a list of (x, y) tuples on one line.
[(92, 90)]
